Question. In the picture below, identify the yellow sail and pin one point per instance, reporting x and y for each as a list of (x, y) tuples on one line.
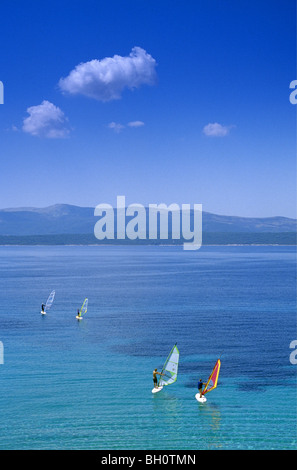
[(84, 308), (213, 378)]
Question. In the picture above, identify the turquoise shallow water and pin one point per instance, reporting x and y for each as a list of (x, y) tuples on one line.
[(70, 385)]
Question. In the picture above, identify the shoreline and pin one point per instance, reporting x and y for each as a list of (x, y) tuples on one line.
[(144, 245), (208, 239)]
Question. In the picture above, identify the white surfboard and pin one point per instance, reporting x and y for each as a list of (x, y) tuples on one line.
[(157, 389), (202, 399), (79, 318), (43, 313)]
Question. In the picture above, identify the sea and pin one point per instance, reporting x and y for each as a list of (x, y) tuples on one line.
[(66, 384)]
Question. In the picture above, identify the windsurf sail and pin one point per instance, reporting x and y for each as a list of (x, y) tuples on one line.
[(170, 368), (213, 378), (49, 301), (84, 308)]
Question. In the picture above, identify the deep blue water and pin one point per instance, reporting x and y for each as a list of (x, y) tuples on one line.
[(70, 385)]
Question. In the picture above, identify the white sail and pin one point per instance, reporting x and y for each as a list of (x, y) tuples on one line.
[(170, 368), (49, 301)]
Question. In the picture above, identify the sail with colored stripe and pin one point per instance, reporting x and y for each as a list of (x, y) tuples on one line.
[(170, 368), (84, 308), (49, 301), (213, 378)]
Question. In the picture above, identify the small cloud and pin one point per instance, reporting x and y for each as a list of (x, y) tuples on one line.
[(216, 130), (116, 127), (135, 124), (12, 128), (105, 79), (46, 120)]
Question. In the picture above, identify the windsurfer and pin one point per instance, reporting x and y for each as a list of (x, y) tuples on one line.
[(155, 378), (42, 307), (200, 387)]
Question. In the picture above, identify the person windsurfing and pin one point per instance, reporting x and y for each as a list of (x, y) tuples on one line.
[(200, 387), (155, 378), (42, 307)]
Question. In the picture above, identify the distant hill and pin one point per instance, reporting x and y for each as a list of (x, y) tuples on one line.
[(53, 220), (67, 219)]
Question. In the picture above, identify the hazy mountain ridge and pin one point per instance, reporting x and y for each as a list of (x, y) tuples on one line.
[(69, 219)]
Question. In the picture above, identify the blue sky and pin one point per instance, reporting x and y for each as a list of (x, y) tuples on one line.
[(184, 102)]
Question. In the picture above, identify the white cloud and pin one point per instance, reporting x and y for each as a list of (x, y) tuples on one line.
[(105, 79), (116, 126), (46, 120), (216, 130), (135, 124)]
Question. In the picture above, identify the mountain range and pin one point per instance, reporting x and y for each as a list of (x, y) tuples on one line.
[(69, 219)]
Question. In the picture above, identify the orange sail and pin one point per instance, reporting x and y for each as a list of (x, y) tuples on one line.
[(213, 379)]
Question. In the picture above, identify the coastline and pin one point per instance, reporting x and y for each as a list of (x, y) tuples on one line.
[(208, 239), (148, 245)]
